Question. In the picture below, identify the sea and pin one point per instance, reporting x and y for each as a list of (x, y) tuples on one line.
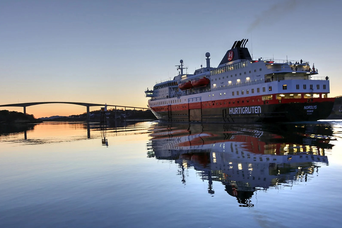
[(154, 174)]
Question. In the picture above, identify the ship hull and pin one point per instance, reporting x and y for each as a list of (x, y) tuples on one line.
[(267, 113)]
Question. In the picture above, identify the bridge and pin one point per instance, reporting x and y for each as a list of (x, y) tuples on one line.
[(87, 105)]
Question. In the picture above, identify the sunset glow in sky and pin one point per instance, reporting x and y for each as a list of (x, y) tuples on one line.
[(111, 51)]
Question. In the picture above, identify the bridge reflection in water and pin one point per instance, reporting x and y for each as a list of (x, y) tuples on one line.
[(66, 131), (25, 128), (244, 158)]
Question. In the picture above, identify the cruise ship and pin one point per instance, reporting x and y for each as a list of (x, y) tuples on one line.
[(243, 90)]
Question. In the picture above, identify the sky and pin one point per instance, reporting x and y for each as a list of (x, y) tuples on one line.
[(111, 51)]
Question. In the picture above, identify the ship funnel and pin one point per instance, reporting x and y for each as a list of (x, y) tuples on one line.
[(208, 59), (237, 52)]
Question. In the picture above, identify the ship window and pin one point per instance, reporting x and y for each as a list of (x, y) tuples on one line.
[(247, 91), (258, 90), (317, 86), (220, 94), (237, 92), (235, 75), (324, 86), (240, 73), (250, 72), (297, 86), (260, 69), (254, 70), (244, 72), (231, 75), (263, 89), (242, 92), (233, 93), (229, 82), (270, 88), (252, 90), (311, 86), (284, 87), (304, 86), (268, 97)]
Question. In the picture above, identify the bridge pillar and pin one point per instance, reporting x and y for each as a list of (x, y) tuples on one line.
[(88, 125), (125, 113), (24, 109), (88, 113), (115, 116)]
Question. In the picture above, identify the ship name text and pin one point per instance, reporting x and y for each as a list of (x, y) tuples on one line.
[(245, 110), (310, 107)]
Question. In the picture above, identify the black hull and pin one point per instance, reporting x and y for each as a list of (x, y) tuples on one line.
[(269, 113)]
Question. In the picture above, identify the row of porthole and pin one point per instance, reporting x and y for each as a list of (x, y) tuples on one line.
[(167, 103), (242, 91), (231, 68), (228, 68), (237, 74), (165, 85), (229, 102), (304, 86), (223, 103)]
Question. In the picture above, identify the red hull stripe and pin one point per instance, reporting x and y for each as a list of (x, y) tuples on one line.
[(236, 102)]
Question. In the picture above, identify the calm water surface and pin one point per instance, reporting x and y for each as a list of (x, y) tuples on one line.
[(155, 175)]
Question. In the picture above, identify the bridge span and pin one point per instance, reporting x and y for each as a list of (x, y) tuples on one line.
[(87, 105)]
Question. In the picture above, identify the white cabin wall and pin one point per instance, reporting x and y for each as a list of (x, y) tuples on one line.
[(253, 71), (292, 86)]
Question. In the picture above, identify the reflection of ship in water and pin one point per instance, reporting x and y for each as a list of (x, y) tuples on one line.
[(244, 158)]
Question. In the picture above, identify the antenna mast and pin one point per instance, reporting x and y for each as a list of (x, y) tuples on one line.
[(181, 67)]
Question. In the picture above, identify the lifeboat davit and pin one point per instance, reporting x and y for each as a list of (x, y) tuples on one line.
[(200, 82), (185, 85)]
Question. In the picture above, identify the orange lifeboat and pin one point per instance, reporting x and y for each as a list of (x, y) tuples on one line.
[(185, 85), (200, 82)]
